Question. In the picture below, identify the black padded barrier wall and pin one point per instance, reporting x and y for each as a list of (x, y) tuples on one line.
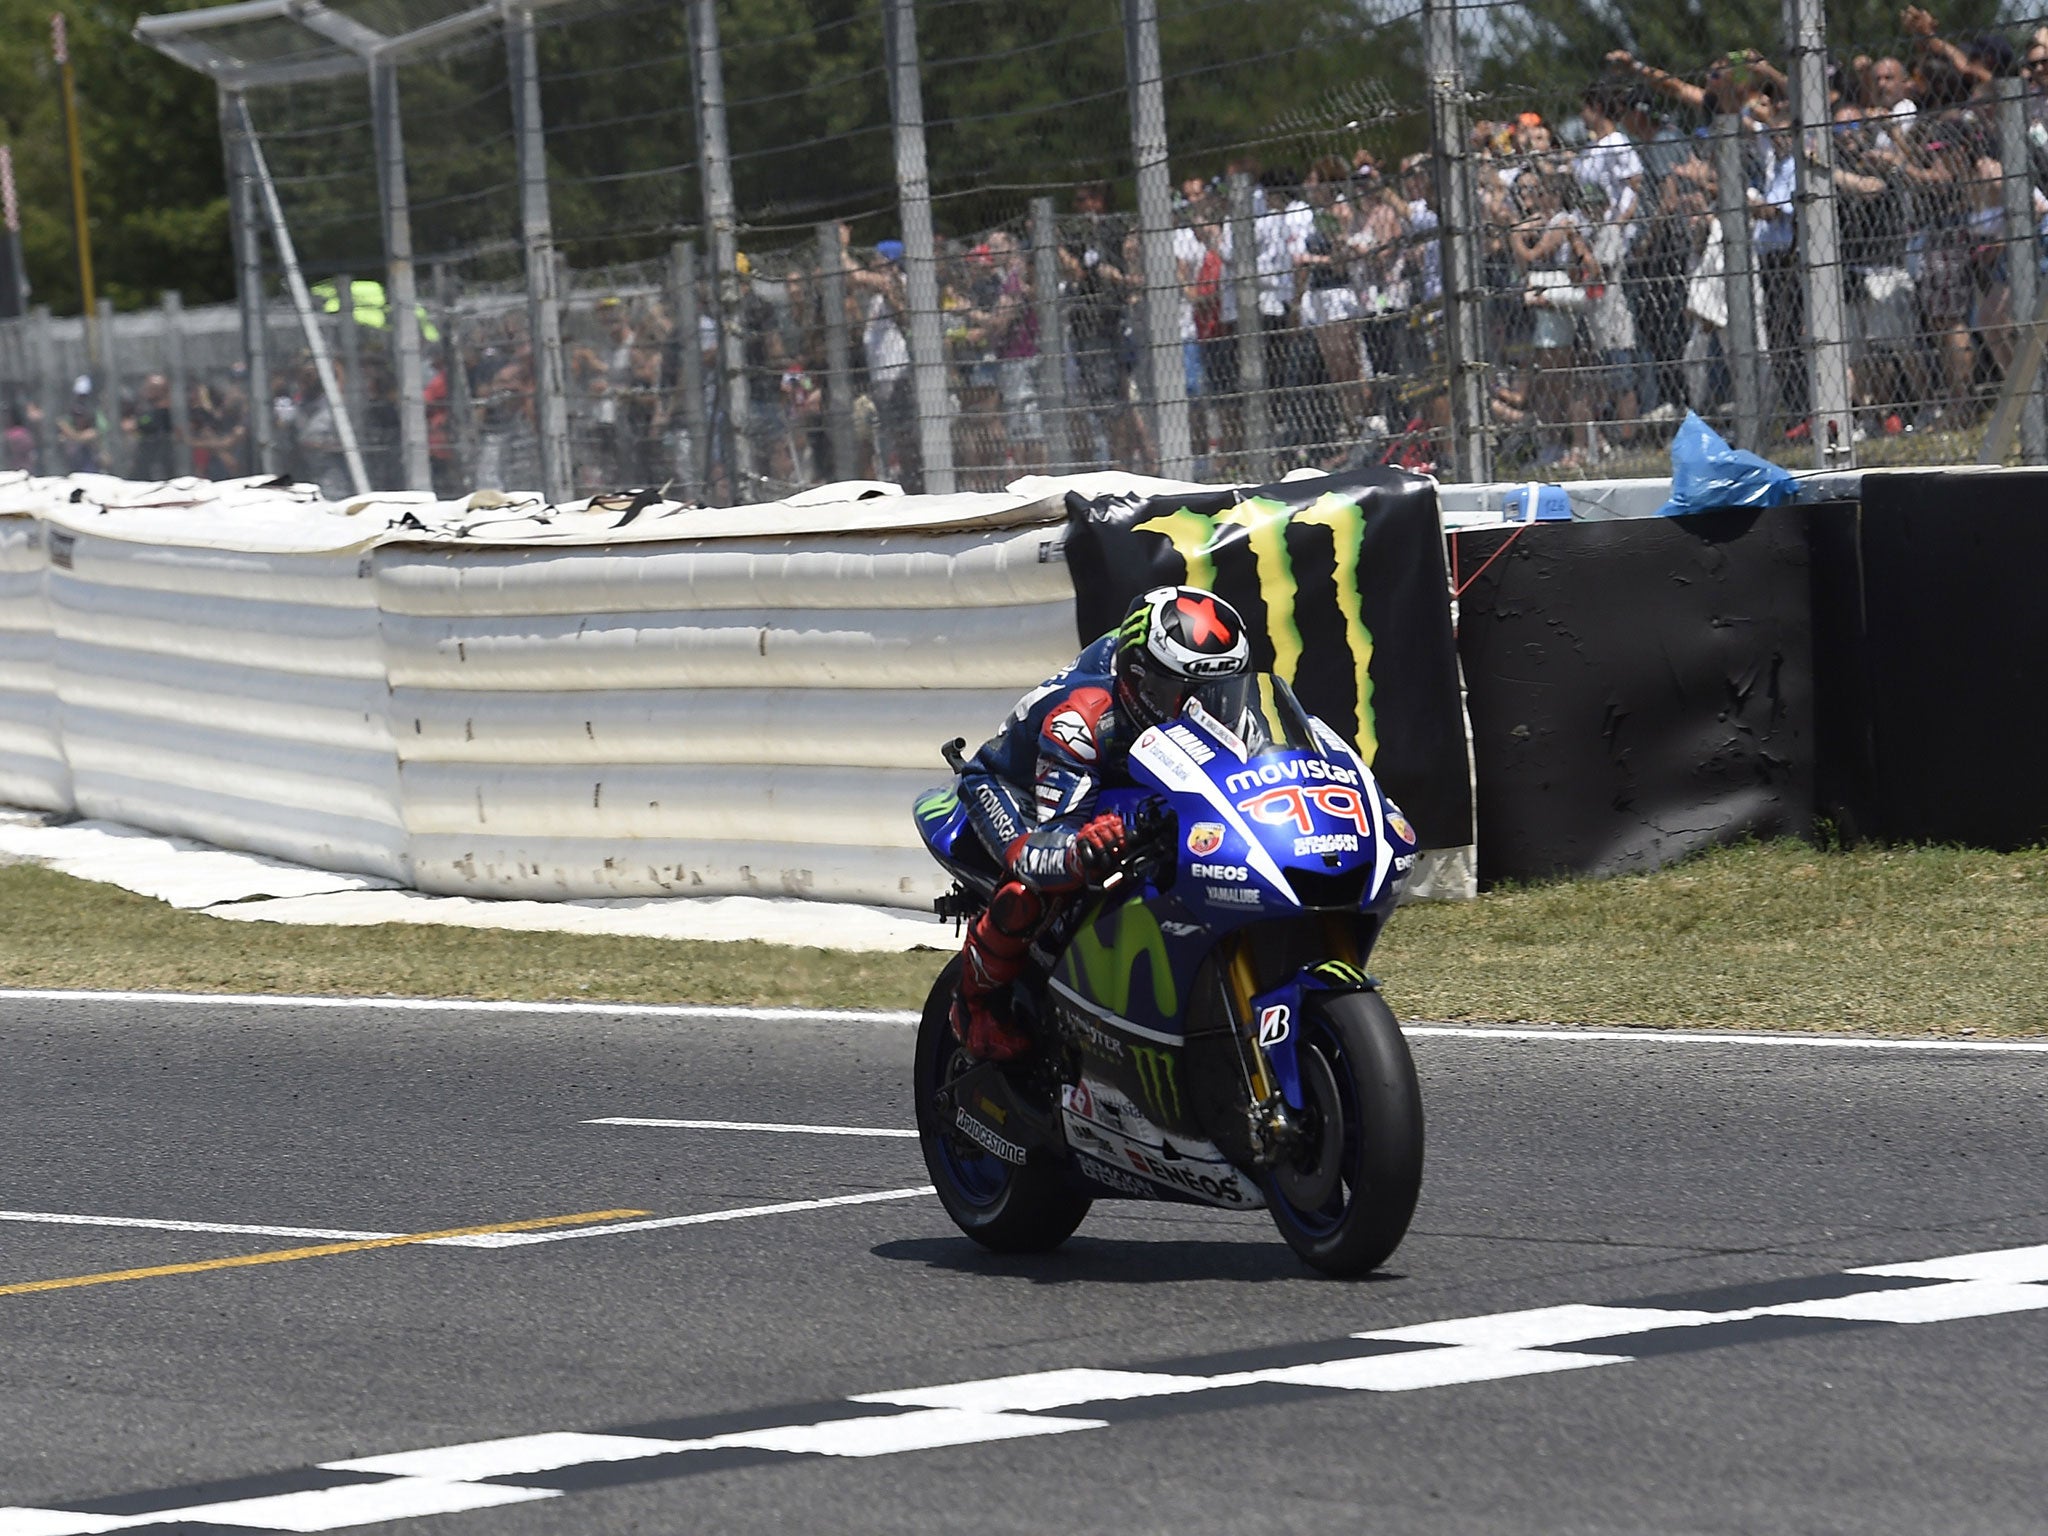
[(1638, 689), (1949, 620)]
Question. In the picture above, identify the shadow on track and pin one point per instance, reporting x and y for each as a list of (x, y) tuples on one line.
[(1097, 1260)]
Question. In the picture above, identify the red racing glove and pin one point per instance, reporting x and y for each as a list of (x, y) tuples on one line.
[(1097, 847)]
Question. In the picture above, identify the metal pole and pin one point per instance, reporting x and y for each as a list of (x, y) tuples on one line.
[(302, 302), (2017, 189), (349, 334), (248, 247), (461, 409), (537, 231), (174, 370), (106, 382), (1820, 241), (1251, 345), (1738, 268), (920, 257), (1052, 333), (838, 352), (1458, 227), (714, 159), (682, 283), (60, 50), (43, 347), (1169, 378), (401, 284)]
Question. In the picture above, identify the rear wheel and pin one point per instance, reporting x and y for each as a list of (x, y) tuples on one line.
[(1007, 1208), (1343, 1200)]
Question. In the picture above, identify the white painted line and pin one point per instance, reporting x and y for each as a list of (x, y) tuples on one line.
[(1042, 1390), (152, 1224), (703, 1218), (462, 1005), (1928, 1304), (1567, 1036), (894, 1433), (1470, 1033), (2015, 1266), (751, 1125), (511, 1457), (1423, 1369), (1548, 1326), (328, 1509), (15, 1521)]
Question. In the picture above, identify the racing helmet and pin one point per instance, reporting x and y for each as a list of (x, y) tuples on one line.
[(1177, 644)]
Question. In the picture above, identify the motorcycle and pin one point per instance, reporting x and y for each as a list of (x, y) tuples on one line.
[(1206, 1030)]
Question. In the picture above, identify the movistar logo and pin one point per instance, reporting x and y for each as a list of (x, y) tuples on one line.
[(1105, 954), (1159, 1080), (1265, 523), (937, 805)]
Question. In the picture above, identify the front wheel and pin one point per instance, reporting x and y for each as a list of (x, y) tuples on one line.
[(1344, 1198), (1006, 1208)]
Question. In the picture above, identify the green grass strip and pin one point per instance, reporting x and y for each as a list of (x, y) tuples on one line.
[(1771, 936)]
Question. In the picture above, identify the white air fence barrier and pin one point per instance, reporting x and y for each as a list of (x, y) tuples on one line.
[(521, 701)]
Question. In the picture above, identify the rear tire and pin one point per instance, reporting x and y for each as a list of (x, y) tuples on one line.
[(1375, 1138), (1005, 1208)]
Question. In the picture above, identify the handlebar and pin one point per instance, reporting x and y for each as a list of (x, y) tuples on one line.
[(1153, 829)]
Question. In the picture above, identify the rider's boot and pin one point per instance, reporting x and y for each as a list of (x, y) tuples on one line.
[(997, 950)]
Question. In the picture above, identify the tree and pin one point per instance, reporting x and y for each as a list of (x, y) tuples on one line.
[(155, 191)]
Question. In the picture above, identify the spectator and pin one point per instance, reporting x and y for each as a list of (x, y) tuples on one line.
[(151, 426), (1011, 321), (1774, 233), (1098, 289), (880, 284), (1611, 174), (1549, 245), (1329, 300), (18, 453), (81, 434), (1877, 290)]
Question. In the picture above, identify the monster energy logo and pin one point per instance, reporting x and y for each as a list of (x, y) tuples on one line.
[(937, 805), (1106, 951), (1158, 1080), (1340, 973), (1196, 537)]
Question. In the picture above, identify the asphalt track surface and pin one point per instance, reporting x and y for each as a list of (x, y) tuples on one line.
[(1714, 1195)]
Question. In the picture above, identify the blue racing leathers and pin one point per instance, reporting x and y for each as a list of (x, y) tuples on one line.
[(1033, 784)]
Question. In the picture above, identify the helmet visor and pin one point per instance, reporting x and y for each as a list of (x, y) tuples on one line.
[(1161, 696), (1225, 698)]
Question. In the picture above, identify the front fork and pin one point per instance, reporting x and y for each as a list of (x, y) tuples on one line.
[(1267, 1026)]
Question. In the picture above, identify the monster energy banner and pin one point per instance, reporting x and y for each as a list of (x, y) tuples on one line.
[(1341, 582)]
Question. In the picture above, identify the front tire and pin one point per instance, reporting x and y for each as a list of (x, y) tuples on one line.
[(1345, 1201), (1005, 1208)]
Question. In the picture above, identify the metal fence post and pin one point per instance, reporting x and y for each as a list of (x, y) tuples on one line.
[(51, 392), (1251, 345), (2021, 250), (1052, 333), (1820, 243), (1738, 267), (461, 408), (721, 218), (175, 371), (1458, 233), (245, 231), (348, 335), (682, 288), (1166, 369), (838, 352), (401, 285), (920, 258), (537, 232), (106, 384)]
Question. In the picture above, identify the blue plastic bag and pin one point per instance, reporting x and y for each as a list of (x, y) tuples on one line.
[(1707, 473)]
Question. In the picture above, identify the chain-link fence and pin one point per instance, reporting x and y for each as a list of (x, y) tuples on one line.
[(736, 250)]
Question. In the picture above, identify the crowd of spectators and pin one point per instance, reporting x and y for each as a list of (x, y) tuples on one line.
[(1604, 267)]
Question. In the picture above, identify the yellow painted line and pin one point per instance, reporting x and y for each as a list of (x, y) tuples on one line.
[(318, 1251)]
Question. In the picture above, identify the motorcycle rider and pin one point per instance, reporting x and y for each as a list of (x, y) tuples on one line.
[(1030, 790)]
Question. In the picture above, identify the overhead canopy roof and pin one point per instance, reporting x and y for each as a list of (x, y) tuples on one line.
[(283, 42)]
